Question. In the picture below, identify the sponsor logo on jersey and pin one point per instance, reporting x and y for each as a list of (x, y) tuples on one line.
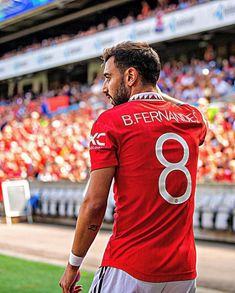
[(97, 140)]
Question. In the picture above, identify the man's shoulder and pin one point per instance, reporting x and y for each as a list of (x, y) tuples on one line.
[(187, 107), (191, 109)]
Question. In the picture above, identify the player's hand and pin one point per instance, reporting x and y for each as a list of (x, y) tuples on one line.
[(69, 279)]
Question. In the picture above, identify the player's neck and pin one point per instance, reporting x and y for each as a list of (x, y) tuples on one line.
[(142, 89)]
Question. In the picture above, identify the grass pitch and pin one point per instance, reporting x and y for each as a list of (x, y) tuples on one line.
[(22, 276)]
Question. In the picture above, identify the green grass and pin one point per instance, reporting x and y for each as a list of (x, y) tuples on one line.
[(22, 276)]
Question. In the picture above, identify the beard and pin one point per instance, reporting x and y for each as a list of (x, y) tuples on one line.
[(122, 95)]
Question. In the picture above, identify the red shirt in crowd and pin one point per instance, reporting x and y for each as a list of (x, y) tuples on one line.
[(1, 195), (154, 145)]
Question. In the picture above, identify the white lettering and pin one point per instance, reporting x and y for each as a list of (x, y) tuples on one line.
[(154, 115), (181, 117), (127, 120), (172, 116), (146, 116), (138, 118), (149, 117), (195, 116), (162, 115), (191, 118)]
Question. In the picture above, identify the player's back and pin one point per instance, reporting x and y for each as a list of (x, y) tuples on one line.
[(156, 144)]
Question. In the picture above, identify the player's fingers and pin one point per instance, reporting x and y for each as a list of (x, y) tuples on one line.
[(77, 288), (76, 279), (64, 285), (77, 291), (65, 290)]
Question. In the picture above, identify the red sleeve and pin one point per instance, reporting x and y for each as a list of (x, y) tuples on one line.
[(204, 127), (201, 120), (103, 146)]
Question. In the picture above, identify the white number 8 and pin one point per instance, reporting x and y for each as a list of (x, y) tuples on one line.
[(172, 167)]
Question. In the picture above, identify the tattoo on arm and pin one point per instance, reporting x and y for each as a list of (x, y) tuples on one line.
[(93, 227)]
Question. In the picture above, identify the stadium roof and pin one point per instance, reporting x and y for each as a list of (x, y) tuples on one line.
[(52, 15)]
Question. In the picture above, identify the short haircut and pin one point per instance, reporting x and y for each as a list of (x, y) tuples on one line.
[(138, 55)]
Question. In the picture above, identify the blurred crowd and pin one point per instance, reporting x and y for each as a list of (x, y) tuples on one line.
[(51, 149), (162, 7), (217, 155), (210, 79), (38, 144), (46, 149)]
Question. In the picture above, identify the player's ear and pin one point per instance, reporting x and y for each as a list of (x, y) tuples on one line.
[(131, 76)]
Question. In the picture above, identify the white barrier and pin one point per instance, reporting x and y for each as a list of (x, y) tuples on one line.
[(214, 203), (16, 194)]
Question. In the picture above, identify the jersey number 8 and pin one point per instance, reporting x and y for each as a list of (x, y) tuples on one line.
[(172, 167)]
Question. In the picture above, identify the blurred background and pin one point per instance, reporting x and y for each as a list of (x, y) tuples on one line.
[(51, 79), (50, 95)]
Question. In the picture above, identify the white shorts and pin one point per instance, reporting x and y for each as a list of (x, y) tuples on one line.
[(112, 280)]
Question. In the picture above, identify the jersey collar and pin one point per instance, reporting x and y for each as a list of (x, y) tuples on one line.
[(149, 96)]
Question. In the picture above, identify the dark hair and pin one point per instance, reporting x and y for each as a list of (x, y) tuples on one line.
[(138, 55)]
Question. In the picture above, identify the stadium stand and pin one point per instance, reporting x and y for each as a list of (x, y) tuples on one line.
[(27, 119), (145, 11), (44, 130)]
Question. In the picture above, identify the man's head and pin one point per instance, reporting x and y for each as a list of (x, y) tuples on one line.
[(129, 68)]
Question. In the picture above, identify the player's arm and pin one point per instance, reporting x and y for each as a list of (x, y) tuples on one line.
[(168, 98), (92, 210), (90, 218)]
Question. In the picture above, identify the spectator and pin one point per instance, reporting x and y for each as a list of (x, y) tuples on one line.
[(113, 22), (38, 144), (162, 6)]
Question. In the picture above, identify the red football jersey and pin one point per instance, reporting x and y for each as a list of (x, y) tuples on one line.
[(154, 146)]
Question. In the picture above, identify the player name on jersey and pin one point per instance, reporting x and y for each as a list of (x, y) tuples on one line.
[(160, 116)]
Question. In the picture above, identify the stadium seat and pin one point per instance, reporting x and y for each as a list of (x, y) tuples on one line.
[(233, 221), (201, 201), (209, 212), (45, 201), (196, 218), (70, 202), (53, 199), (224, 213)]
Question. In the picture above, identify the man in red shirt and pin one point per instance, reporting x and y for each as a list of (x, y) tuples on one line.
[(149, 143)]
